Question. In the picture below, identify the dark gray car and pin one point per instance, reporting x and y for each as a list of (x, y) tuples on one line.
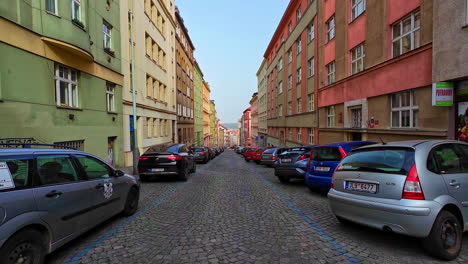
[(270, 156), (292, 163), (50, 196)]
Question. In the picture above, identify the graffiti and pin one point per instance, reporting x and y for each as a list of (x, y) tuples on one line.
[(16, 142)]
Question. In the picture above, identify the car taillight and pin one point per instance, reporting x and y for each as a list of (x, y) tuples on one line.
[(412, 189), (202, 153), (174, 158), (343, 153), (273, 157), (143, 158), (302, 157)]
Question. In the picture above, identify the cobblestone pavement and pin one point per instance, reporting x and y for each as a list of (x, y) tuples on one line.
[(231, 211)]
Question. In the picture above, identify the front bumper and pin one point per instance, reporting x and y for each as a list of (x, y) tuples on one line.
[(408, 217), (290, 172)]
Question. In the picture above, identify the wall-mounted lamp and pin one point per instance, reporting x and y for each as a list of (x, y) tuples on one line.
[(71, 116)]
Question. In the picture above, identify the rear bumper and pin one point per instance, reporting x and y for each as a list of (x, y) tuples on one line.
[(290, 172), (249, 158), (408, 217), (267, 162), (200, 158), (318, 181)]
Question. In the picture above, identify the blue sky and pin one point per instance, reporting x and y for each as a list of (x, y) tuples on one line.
[(230, 38)]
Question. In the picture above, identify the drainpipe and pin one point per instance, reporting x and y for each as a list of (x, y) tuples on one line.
[(136, 153)]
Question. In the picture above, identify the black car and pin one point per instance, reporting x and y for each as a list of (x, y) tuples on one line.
[(292, 164), (176, 160), (216, 151), (201, 154), (211, 152)]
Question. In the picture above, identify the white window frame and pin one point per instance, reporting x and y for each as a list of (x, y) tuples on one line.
[(73, 95), (299, 14), (355, 59), (280, 64), (310, 132), (299, 106), (310, 102), (299, 75), (299, 134), (290, 56), (289, 108), (290, 28), (298, 46), (311, 33), (55, 12), (280, 110), (107, 34), (110, 97), (331, 28), (311, 67), (354, 7), (280, 87), (411, 32), (78, 2), (331, 72), (331, 116), (412, 108)]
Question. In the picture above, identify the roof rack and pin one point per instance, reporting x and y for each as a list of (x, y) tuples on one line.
[(31, 145)]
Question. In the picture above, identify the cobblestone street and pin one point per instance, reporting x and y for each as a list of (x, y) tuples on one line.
[(231, 211)]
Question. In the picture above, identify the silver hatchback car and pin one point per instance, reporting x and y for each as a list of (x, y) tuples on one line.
[(50, 196), (416, 188)]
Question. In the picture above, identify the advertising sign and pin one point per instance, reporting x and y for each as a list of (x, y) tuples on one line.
[(6, 181), (462, 121), (442, 94)]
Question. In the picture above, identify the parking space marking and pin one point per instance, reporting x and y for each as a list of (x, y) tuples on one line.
[(314, 225)]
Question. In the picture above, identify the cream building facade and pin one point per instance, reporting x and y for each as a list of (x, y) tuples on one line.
[(206, 113), (154, 47)]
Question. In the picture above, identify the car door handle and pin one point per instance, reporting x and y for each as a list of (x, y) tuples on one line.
[(454, 184), (100, 186), (53, 193)]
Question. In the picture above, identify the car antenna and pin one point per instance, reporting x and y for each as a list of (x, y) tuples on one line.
[(383, 142)]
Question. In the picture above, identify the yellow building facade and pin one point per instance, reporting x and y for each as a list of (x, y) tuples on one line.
[(206, 113)]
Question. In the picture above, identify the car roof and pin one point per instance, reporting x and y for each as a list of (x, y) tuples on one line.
[(411, 143), (30, 151)]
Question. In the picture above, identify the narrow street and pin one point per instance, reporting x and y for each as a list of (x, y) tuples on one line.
[(231, 211)]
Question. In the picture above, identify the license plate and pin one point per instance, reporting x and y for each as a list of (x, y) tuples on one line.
[(361, 187), (326, 169), (156, 170), (286, 160)]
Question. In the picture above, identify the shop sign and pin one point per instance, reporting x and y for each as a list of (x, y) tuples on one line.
[(462, 88), (442, 94)]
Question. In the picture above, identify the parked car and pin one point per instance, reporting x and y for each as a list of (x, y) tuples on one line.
[(176, 160), (323, 161), (201, 155), (48, 197), (269, 156), (216, 151), (244, 150), (250, 154), (257, 157), (415, 188), (211, 152), (292, 163)]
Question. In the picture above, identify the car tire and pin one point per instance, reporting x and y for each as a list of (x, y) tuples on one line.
[(131, 204), (283, 179), (343, 221), (445, 226), (184, 175), (27, 243)]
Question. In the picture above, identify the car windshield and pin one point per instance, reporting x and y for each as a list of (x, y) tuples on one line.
[(397, 161), (326, 154), (250, 150)]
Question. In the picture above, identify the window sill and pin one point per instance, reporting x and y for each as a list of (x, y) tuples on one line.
[(53, 14), (310, 76), (79, 24), (465, 26), (112, 113), (110, 52), (356, 18), (69, 108)]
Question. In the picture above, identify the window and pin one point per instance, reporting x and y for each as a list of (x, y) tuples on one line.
[(20, 168), (357, 59), (290, 28), (331, 72), (76, 10), (280, 87), (299, 106), (310, 102), (56, 169), (289, 108), (358, 7), (51, 6), (290, 133), (289, 82), (299, 46), (331, 28), (299, 134), (406, 34), (66, 85), (356, 117), (331, 116), (280, 64), (107, 35), (299, 75), (310, 137), (110, 97), (404, 110), (311, 67), (311, 32), (188, 91), (280, 110), (299, 14), (74, 144), (93, 168), (448, 159)]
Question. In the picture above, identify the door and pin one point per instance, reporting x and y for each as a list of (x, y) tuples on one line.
[(451, 161), (105, 191), (60, 194)]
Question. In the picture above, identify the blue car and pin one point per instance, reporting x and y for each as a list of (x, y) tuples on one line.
[(323, 161)]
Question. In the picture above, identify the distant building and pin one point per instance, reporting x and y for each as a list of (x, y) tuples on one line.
[(254, 120), (198, 105), (262, 105)]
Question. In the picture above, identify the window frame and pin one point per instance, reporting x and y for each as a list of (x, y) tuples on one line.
[(355, 59), (30, 177), (412, 108), (299, 135), (402, 35), (82, 171), (355, 4), (298, 105), (70, 82), (280, 87), (290, 56), (55, 12), (78, 2), (331, 116), (110, 97), (331, 74), (36, 176), (107, 35), (280, 64), (311, 64), (298, 46), (299, 13), (310, 102), (311, 32), (299, 75), (310, 136), (331, 28), (290, 82)]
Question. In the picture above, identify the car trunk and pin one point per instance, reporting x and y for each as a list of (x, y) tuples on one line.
[(325, 159), (290, 157), (156, 159), (375, 172)]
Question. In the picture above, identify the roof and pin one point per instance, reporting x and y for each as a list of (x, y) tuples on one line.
[(30, 151)]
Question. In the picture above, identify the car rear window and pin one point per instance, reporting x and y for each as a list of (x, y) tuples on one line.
[(386, 160), (19, 167), (199, 149), (269, 151), (296, 150), (260, 149), (326, 154), (173, 149)]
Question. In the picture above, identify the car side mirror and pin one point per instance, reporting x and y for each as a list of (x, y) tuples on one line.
[(119, 173)]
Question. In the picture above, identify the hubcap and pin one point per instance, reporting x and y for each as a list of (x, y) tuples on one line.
[(22, 254), (449, 234)]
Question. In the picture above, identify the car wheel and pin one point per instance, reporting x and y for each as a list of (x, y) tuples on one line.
[(131, 205), (184, 175), (27, 246), (343, 221), (257, 161), (194, 168), (445, 238), (283, 179)]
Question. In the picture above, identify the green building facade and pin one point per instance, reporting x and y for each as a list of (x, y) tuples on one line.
[(60, 80), (198, 104)]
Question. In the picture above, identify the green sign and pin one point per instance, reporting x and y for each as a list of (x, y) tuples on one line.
[(442, 94)]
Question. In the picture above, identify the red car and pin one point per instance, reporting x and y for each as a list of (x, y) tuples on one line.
[(255, 154), (249, 154)]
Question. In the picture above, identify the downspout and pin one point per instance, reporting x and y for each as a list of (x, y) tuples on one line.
[(136, 153)]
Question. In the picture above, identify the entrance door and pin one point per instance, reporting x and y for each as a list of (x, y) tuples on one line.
[(111, 150)]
